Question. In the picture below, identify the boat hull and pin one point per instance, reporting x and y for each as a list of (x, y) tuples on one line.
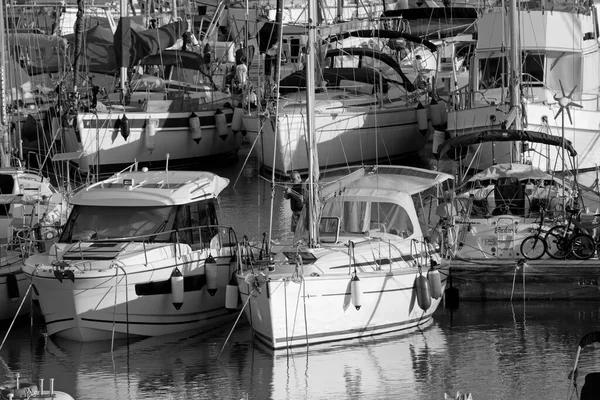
[(106, 303), (284, 313), (344, 138), (105, 146)]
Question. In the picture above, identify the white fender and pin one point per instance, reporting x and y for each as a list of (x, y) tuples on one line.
[(231, 294), (211, 271), (423, 296), (177, 288), (151, 125), (356, 292), (195, 128), (221, 124)]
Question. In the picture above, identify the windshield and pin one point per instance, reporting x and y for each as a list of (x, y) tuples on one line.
[(97, 223)]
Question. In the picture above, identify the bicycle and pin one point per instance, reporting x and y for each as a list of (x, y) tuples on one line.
[(570, 239), (534, 246)]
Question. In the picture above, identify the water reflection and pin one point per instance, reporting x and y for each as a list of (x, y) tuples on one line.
[(494, 350)]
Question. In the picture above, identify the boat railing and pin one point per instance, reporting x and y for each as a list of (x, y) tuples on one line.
[(464, 98), (197, 237)]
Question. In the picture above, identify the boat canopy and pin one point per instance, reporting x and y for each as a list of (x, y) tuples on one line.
[(505, 135), (152, 188), (519, 171), (410, 180)]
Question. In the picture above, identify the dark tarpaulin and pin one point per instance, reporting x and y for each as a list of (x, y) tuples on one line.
[(368, 52), (592, 337), (268, 35), (184, 59), (297, 80), (505, 135), (131, 46), (98, 55)]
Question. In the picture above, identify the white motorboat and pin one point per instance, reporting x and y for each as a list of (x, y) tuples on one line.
[(141, 254)]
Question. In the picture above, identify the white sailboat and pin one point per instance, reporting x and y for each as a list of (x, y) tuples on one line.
[(366, 108), (360, 265), (181, 113)]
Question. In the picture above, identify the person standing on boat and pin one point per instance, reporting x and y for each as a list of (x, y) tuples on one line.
[(207, 56), (295, 195)]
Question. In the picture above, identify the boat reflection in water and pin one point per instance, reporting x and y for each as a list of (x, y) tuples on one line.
[(491, 349)]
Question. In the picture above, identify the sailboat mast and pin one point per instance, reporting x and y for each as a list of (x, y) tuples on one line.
[(78, 43), (124, 31), (515, 62), (4, 142), (310, 120)]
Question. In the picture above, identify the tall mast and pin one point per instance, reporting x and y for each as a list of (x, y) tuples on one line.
[(125, 30), (4, 142), (78, 44), (278, 34), (515, 62), (310, 122)]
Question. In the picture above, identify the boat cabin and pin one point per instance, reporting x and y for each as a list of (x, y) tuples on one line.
[(155, 207), (381, 204)]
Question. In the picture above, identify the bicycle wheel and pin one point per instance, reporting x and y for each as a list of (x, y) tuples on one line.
[(533, 247), (583, 246), (557, 247), (559, 231)]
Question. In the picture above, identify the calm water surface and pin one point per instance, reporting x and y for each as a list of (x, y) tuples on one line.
[(494, 350)]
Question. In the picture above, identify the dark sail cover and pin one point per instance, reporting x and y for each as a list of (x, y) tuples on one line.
[(131, 46)]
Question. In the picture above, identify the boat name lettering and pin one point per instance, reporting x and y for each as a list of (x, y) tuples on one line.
[(500, 229)]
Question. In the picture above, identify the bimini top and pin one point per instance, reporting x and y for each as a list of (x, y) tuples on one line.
[(151, 188), (519, 171), (505, 135), (385, 178)]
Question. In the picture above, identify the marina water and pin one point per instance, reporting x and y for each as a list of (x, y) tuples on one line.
[(495, 350)]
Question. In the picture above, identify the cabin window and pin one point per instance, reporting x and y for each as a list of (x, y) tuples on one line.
[(120, 223), (493, 73), (358, 217), (197, 223), (391, 218), (533, 69)]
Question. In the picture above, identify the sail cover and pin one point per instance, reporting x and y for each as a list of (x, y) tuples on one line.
[(505, 135), (131, 46)]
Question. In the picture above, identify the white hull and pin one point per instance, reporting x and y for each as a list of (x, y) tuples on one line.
[(347, 137), (88, 309), (103, 142), (318, 309)]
